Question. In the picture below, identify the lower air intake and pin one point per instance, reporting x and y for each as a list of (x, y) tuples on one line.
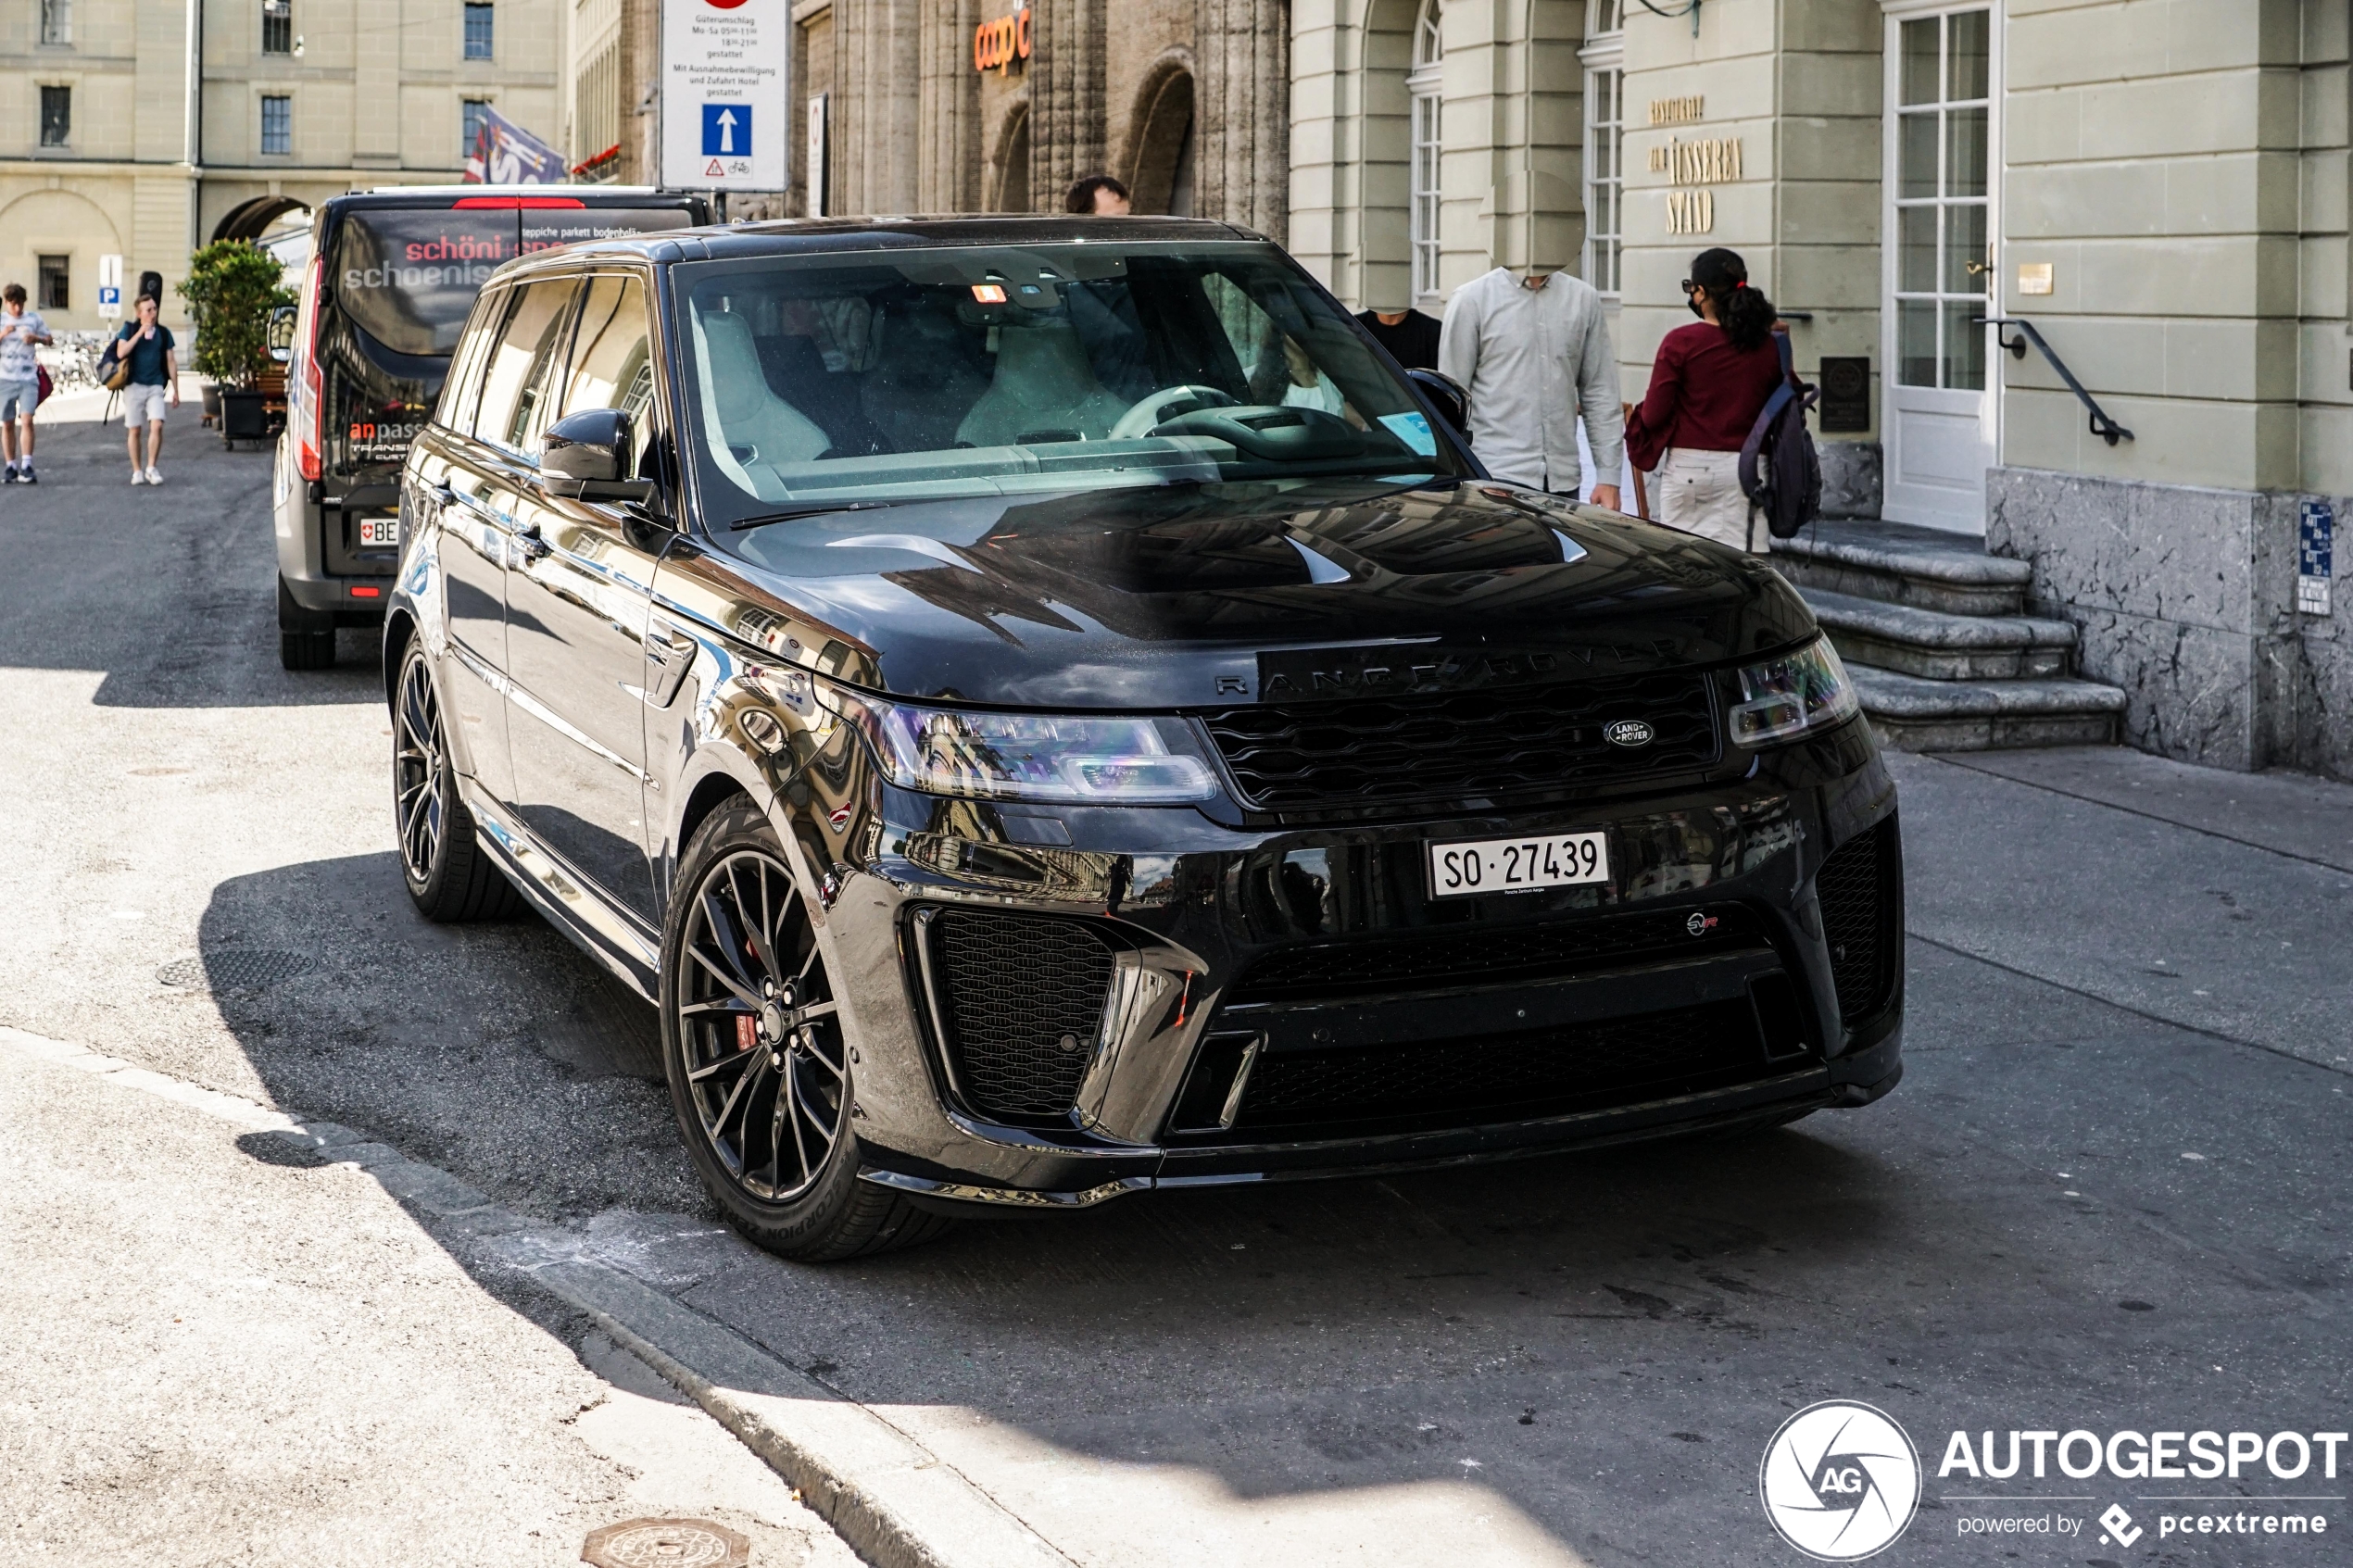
[(1021, 999), (1501, 1077)]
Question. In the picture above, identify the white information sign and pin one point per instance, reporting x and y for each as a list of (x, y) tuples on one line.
[(723, 94), (110, 288)]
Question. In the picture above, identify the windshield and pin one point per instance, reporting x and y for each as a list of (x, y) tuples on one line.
[(409, 275), (834, 380)]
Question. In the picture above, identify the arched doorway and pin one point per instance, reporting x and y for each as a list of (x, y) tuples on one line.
[(1009, 170), (251, 220), (1160, 177)]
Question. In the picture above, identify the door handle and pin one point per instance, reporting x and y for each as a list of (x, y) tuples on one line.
[(443, 496), (673, 653), (534, 547)]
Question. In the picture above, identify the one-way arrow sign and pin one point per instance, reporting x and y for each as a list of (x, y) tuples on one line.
[(726, 130)]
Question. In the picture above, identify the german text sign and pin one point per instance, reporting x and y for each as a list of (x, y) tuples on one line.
[(724, 65)]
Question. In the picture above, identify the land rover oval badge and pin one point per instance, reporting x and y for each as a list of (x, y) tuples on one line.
[(1629, 733)]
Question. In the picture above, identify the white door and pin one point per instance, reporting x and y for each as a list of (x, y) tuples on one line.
[(1937, 417)]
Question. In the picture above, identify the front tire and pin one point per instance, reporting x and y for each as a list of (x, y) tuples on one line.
[(758, 1056), (449, 875)]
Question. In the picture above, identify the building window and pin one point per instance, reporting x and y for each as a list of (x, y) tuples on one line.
[(1942, 260), (277, 125), (1604, 175), (1425, 85), (56, 117), (57, 22), (52, 272), (277, 27), (474, 110), (479, 35), (1602, 15)]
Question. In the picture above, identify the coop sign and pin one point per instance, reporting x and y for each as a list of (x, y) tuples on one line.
[(997, 44)]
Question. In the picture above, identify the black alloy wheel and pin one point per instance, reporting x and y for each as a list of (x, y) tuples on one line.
[(759, 1058), (449, 875)]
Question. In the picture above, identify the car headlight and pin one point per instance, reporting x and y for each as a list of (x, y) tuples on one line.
[(1068, 758), (1786, 697)]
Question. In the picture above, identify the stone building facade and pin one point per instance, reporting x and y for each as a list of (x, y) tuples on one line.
[(2160, 187), (121, 134)]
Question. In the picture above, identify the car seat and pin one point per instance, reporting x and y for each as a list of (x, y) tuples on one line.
[(1043, 382), (738, 405)]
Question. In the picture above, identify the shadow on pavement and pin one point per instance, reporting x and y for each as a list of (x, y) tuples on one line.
[(91, 567)]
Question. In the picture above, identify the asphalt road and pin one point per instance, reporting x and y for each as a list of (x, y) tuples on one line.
[(2109, 1196)]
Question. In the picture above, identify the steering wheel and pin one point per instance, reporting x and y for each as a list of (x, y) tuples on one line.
[(1152, 409)]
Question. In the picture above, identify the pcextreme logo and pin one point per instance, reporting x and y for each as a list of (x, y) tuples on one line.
[(1840, 1481)]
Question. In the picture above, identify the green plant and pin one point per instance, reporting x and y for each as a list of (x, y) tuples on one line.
[(230, 290)]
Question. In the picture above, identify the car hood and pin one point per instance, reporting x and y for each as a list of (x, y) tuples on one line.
[(1195, 595)]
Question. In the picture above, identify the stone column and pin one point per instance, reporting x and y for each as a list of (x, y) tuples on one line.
[(1066, 109), (640, 68), (952, 155), (1241, 147)]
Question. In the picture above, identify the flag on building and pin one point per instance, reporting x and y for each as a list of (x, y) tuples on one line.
[(505, 154)]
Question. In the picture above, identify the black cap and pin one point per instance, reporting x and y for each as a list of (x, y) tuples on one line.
[(1719, 269)]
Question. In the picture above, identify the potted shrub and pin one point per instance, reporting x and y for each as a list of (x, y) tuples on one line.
[(232, 289)]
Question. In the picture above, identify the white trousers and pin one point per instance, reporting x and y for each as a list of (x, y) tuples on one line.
[(1700, 493)]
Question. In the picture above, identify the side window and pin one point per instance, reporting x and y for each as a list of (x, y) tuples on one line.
[(461, 393), (515, 383), (612, 359)]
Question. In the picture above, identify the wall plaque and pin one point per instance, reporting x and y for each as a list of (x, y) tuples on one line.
[(1846, 394), (2034, 277)]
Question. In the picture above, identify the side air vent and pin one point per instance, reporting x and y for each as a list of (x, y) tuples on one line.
[(1861, 889), (1019, 1000)]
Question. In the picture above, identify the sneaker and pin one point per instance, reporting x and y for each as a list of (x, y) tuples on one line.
[(25, 475), (10, 476), (154, 477), (137, 477)]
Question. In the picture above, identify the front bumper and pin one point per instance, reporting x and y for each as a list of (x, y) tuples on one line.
[(1291, 1003)]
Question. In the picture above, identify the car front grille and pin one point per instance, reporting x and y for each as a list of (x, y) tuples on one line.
[(1489, 955), (1495, 745), (1518, 1075), (1021, 1001), (1862, 914)]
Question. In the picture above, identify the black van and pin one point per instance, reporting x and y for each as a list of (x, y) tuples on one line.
[(393, 273)]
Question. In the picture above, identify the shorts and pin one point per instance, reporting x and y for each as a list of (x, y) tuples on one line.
[(19, 397), (1700, 493), (141, 404)]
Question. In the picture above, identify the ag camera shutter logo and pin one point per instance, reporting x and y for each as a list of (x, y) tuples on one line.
[(1840, 1481)]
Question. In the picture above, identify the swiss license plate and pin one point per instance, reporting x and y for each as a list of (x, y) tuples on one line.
[(1517, 865), (379, 533)]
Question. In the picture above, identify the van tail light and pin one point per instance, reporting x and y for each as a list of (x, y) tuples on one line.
[(309, 415)]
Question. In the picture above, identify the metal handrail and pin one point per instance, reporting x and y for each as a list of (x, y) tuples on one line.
[(2106, 429)]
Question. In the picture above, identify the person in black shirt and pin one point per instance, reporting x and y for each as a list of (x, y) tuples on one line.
[(1410, 336)]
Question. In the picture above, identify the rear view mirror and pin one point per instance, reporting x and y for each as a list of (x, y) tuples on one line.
[(282, 332), (583, 454), (1450, 400)]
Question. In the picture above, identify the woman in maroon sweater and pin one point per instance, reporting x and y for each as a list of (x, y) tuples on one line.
[(1708, 384)]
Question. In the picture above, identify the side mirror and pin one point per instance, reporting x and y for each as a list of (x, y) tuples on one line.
[(1453, 401), (582, 455), (282, 334)]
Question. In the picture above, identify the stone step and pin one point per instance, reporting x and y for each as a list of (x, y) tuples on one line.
[(1937, 647), (1918, 715), (1904, 564)]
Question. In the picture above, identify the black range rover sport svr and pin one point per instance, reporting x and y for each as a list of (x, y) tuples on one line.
[(1047, 709)]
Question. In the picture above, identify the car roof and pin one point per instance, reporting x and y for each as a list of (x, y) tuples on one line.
[(806, 236)]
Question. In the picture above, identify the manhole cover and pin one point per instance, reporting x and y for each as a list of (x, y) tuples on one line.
[(666, 1543), (235, 968)]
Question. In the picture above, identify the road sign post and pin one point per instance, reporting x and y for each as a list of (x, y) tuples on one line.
[(724, 70)]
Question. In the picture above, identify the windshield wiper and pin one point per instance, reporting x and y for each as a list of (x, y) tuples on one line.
[(819, 509)]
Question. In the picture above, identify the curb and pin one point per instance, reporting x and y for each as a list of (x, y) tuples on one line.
[(895, 1502)]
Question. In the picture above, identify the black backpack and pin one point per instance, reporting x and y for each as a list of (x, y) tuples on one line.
[(1789, 492)]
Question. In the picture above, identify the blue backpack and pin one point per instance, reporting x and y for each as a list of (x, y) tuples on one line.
[(1787, 487)]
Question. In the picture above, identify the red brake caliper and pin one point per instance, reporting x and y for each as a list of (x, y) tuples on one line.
[(747, 1032)]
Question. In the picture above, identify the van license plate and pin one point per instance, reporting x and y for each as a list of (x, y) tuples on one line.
[(1517, 865), (379, 533)]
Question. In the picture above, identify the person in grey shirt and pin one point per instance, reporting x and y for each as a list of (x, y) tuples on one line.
[(1534, 353)]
